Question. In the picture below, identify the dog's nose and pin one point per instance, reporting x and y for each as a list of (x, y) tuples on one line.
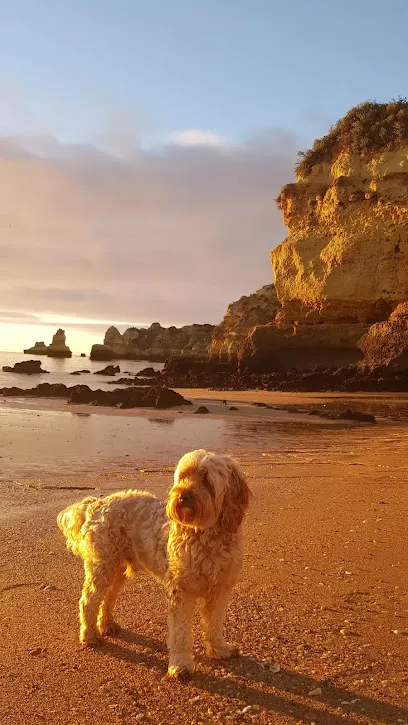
[(186, 497)]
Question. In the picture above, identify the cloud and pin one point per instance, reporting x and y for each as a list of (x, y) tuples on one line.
[(170, 234), (196, 138)]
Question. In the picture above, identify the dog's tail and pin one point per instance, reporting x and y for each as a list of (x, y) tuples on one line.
[(71, 520)]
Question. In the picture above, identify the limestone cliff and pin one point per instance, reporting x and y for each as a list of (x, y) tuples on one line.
[(155, 343), (346, 255), (344, 263), (258, 308)]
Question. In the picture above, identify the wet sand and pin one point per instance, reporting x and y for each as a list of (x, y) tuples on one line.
[(39, 436), (323, 592)]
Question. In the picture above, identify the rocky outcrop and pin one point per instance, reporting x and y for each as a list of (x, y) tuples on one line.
[(26, 367), (344, 264), (58, 347), (154, 343), (40, 348), (147, 397), (241, 317), (303, 347), (386, 343), (109, 370)]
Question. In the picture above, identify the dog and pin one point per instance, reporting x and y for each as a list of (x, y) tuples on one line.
[(192, 544)]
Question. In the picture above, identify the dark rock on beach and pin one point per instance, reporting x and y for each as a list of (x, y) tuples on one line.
[(109, 370), (27, 367), (149, 373), (146, 397)]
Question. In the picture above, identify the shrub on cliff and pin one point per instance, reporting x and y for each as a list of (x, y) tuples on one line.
[(364, 130)]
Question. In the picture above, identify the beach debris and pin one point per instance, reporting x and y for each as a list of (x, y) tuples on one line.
[(245, 710), (37, 651), (350, 702), (201, 409), (233, 407), (399, 631), (49, 588), (275, 668), (314, 693), (195, 699)]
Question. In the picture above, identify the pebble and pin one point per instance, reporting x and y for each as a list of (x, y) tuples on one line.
[(245, 710), (275, 668), (315, 692), (195, 699), (49, 588), (398, 631)]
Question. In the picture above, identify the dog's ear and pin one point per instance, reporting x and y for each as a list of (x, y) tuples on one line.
[(236, 500)]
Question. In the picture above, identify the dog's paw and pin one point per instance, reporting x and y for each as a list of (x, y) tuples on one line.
[(178, 674), (224, 652), (111, 629), (92, 642)]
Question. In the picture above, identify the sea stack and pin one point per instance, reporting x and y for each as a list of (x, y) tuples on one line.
[(40, 348), (58, 347)]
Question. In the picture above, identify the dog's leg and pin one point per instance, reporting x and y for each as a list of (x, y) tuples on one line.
[(106, 623), (98, 579), (180, 637), (213, 611)]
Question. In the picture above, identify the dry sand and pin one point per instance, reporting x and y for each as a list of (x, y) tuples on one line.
[(323, 595)]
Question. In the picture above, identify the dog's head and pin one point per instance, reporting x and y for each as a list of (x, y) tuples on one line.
[(209, 490)]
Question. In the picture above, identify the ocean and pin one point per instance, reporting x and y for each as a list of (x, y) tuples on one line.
[(60, 371)]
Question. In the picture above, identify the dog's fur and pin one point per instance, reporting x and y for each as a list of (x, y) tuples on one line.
[(192, 544)]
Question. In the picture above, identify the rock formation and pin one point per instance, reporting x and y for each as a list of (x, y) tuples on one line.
[(146, 397), (58, 347), (40, 348), (344, 263), (249, 311), (386, 343), (154, 343), (26, 367)]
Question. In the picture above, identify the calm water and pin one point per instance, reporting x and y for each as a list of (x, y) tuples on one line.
[(60, 371)]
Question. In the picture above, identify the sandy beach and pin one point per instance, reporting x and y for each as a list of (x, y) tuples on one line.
[(321, 611)]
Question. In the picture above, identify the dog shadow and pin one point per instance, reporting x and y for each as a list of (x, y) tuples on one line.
[(250, 672)]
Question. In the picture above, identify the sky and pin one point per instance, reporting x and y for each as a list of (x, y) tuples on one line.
[(142, 145)]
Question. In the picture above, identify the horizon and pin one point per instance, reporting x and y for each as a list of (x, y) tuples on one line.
[(139, 172)]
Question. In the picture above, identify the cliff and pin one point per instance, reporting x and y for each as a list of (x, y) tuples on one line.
[(249, 311), (154, 343), (344, 264)]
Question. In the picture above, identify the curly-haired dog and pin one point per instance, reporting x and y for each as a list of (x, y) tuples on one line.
[(192, 544)]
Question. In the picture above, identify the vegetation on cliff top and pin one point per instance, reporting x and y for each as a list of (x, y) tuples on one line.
[(366, 129)]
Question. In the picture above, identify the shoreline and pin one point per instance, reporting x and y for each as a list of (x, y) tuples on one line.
[(48, 435)]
